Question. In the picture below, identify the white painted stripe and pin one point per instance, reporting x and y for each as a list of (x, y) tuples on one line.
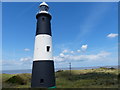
[(60, 0), (40, 49)]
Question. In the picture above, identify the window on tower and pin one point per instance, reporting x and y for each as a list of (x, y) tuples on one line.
[(43, 19), (48, 48), (41, 81)]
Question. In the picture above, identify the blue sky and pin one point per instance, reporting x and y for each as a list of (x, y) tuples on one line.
[(84, 34)]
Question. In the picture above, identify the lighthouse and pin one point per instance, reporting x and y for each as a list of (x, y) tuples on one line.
[(43, 65)]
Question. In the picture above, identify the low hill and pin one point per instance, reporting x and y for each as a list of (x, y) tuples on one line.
[(90, 78)]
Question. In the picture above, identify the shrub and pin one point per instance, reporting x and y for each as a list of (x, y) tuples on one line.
[(60, 71), (20, 79)]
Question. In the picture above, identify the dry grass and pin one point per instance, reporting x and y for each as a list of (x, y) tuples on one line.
[(90, 78)]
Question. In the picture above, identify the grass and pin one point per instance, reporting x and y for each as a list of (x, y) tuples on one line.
[(90, 78), (16, 80)]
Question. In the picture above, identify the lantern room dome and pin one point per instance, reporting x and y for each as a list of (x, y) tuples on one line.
[(43, 4), (43, 8)]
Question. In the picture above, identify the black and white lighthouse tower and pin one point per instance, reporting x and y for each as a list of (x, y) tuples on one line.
[(43, 65)]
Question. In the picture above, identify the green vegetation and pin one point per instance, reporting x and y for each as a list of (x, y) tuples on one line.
[(89, 78), (16, 80)]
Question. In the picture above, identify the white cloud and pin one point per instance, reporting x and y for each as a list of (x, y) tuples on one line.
[(61, 55), (84, 47), (26, 59), (58, 59), (69, 52), (23, 63), (72, 52), (100, 55), (10, 62), (112, 35), (78, 51), (26, 49), (65, 51)]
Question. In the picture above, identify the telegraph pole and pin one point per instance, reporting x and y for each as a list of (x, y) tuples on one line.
[(70, 68)]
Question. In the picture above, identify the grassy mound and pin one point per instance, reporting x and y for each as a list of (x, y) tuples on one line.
[(20, 79)]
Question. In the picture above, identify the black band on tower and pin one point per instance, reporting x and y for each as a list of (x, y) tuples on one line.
[(43, 24), (43, 74)]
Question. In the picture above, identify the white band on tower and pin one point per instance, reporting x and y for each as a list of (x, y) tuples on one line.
[(43, 47)]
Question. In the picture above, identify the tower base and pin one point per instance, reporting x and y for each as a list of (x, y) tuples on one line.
[(43, 74)]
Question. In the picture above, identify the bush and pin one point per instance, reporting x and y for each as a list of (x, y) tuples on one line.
[(20, 79), (60, 71)]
